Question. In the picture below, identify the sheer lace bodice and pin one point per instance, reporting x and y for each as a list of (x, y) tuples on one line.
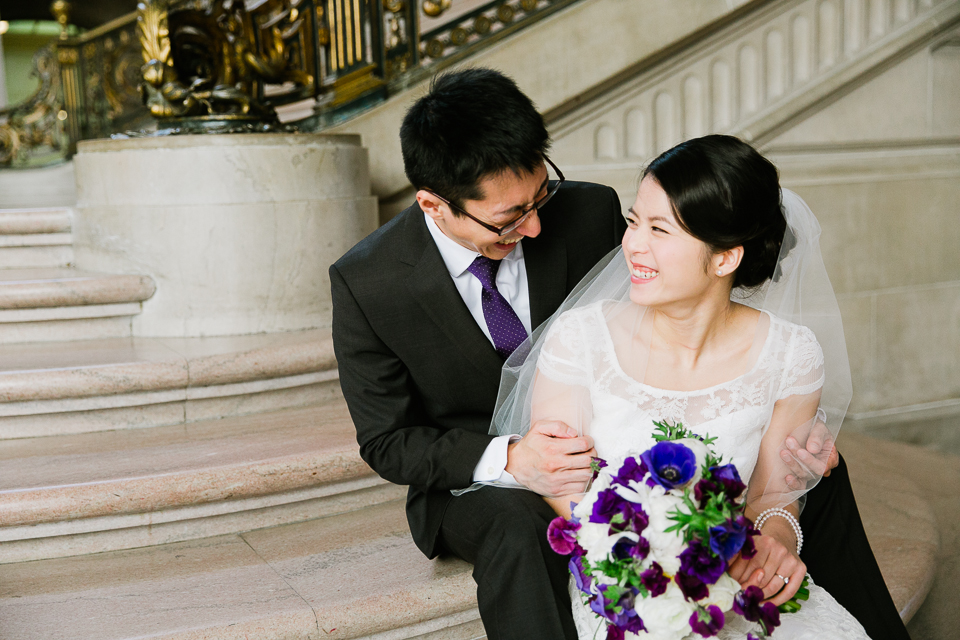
[(579, 352)]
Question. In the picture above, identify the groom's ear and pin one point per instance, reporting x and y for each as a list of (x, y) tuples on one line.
[(430, 204), (728, 261)]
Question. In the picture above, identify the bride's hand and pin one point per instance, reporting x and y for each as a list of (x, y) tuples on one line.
[(776, 559)]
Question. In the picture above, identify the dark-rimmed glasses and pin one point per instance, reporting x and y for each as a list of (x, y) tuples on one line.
[(519, 220)]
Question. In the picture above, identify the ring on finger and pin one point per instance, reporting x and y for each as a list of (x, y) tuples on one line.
[(786, 580)]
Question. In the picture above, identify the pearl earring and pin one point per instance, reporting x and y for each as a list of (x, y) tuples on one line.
[(719, 272)]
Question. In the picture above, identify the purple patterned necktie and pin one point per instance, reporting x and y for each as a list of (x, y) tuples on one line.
[(502, 321)]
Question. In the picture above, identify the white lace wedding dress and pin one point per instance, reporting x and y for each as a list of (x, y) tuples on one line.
[(580, 352)]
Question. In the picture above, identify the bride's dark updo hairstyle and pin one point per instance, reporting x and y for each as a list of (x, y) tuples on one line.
[(726, 195)]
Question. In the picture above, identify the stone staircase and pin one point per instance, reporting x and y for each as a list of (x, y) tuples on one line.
[(212, 487)]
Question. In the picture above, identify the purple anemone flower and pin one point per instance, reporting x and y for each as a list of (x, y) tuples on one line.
[(698, 561), (727, 539), (707, 622), (562, 535), (654, 580), (671, 464)]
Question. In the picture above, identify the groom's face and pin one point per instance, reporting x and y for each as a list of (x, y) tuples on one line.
[(506, 196)]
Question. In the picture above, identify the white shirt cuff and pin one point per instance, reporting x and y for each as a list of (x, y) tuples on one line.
[(493, 462)]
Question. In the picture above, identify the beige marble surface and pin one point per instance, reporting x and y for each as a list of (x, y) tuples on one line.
[(898, 514), (329, 563), (53, 186), (141, 471), (217, 588), (60, 287), (123, 366), (30, 221)]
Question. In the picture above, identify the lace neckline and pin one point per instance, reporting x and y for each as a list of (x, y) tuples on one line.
[(608, 339)]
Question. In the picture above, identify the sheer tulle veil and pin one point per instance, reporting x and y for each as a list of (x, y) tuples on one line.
[(799, 292)]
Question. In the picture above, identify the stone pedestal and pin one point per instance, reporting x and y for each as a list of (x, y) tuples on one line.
[(237, 231)]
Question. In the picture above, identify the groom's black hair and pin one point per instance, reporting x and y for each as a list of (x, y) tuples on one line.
[(471, 125)]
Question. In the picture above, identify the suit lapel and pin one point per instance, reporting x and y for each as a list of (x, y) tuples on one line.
[(429, 283), (546, 263)]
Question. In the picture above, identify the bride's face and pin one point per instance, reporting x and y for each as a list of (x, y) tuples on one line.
[(667, 264)]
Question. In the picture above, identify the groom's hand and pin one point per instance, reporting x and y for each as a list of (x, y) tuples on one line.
[(552, 459), (818, 458)]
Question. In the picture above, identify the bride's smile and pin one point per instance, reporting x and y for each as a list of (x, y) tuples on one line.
[(667, 264)]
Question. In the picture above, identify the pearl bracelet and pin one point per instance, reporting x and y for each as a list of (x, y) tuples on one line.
[(786, 515)]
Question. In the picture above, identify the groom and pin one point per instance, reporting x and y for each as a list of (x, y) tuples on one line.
[(426, 309)]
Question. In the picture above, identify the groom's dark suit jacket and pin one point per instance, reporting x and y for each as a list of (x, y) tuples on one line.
[(419, 376)]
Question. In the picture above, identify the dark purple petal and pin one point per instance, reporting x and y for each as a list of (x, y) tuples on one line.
[(769, 616), (704, 489), (747, 603), (699, 561), (631, 469), (562, 535), (607, 505), (728, 477), (582, 579), (671, 464), (727, 539), (614, 632), (713, 623), (749, 549), (654, 580), (692, 587), (596, 464)]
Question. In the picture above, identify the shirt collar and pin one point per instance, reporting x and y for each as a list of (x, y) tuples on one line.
[(455, 256)]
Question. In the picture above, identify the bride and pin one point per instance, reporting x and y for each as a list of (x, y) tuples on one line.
[(717, 314)]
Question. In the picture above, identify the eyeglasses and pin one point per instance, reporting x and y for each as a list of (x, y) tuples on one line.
[(519, 220)]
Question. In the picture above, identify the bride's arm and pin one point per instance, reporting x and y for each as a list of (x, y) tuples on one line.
[(777, 556), (555, 401)]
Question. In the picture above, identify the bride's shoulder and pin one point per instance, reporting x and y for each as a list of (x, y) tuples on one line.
[(790, 332)]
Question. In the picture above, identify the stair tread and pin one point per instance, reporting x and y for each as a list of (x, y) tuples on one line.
[(31, 221), (85, 368), (60, 478), (355, 574), (64, 286)]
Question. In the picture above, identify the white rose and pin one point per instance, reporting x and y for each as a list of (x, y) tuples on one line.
[(596, 540), (667, 616), (664, 547), (722, 593)]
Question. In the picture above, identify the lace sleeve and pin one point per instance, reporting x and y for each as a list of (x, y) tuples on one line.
[(565, 356), (803, 364)]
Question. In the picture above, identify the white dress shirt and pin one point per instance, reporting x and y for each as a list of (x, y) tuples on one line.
[(512, 285)]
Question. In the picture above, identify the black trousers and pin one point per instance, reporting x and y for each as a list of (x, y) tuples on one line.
[(839, 558), (522, 583)]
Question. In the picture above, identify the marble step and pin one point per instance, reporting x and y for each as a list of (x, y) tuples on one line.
[(55, 304), (49, 389), (358, 574), (89, 493), (32, 238), (354, 575)]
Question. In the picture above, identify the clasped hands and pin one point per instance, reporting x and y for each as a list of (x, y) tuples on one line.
[(553, 459)]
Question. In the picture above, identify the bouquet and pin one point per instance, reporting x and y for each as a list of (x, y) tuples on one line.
[(651, 541)]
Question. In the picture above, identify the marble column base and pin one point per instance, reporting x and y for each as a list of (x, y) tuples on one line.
[(238, 231)]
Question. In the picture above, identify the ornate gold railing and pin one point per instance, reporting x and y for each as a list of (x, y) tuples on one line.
[(225, 65)]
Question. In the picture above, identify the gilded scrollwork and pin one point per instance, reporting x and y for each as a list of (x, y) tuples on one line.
[(213, 58)]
